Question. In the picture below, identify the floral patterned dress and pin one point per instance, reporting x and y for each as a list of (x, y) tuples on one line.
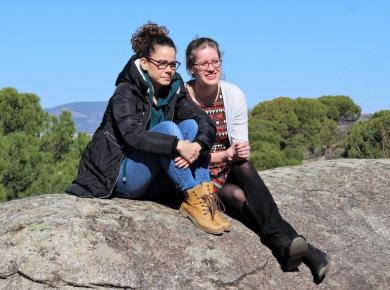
[(216, 112)]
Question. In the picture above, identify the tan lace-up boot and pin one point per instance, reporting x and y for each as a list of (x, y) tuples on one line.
[(208, 188), (198, 207)]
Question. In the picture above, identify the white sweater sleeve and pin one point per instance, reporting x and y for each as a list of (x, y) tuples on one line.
[(236, 111), (240, 121)]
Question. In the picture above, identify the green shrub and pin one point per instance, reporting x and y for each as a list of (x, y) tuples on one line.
[(341, 108), (283, 130), (370, 139)]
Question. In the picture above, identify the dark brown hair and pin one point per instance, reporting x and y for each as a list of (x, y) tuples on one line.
[(199, 43), (143, 41)]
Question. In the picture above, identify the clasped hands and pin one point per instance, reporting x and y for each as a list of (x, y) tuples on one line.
[(239, 151), (188, 152)]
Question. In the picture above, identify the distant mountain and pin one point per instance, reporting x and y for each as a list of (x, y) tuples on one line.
[(86, 115)]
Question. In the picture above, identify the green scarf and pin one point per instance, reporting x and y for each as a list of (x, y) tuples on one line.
[(165, 95)]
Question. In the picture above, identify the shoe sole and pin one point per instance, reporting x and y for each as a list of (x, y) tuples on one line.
[(184, 213), (297, 250), (321, 274), (227, 229)]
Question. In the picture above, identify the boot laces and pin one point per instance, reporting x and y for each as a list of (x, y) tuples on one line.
[(210, 204), (218, 202)]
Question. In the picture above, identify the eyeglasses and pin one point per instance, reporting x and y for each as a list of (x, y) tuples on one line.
[(163, 64), (216, 63)]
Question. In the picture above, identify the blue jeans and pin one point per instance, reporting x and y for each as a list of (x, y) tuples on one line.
[(139, 169)]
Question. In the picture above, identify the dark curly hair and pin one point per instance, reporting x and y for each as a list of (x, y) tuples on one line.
[(199, 43), (143, 41)]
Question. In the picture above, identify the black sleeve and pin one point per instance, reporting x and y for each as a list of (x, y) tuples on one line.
[(130, 125), (186, 109)]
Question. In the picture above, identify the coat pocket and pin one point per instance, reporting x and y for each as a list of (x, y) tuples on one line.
[(112, 139)]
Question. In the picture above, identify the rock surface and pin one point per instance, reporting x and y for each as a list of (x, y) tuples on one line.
[(66, 242)]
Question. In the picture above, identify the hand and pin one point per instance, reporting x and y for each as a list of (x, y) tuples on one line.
[(242, 151), (181, 162), (188, 151), (229, 154)]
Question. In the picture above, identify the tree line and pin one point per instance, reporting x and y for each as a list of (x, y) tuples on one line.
[(286, 131), (39, 153)]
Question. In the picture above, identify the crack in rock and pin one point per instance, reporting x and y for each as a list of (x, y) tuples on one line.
[(5, 277), (112, 286), (237, 281), (76, 285), (43, 282), (65, 283)]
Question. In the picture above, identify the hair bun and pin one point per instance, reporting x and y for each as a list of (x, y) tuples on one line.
[(145, 34)]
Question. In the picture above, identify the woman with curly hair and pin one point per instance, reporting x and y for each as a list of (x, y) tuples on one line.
[(235, 179), (151, 130)]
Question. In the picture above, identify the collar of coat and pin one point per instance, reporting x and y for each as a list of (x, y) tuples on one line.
[(134, 74)]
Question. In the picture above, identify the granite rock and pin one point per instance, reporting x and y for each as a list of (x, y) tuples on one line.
[(65, 242)]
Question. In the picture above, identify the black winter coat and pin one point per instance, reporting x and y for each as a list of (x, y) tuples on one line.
[(123, 128)]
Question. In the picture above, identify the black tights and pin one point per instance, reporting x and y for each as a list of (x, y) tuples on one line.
[(245, 188)]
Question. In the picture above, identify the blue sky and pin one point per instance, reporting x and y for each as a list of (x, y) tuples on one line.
[(67, 51)]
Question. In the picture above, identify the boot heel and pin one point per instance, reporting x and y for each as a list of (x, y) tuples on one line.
[(297, 250)]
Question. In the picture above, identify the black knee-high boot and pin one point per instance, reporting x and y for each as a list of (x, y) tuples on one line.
[(288, 251), (260, 208)]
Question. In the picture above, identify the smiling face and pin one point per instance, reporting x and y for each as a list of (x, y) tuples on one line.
[(203, 69), (159, 76)]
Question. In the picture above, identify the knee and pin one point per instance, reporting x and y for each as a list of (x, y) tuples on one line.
[(243, 165), (191, 123), (189, 129), (238, 196), (243, 168), (170, 128), (167, 124)]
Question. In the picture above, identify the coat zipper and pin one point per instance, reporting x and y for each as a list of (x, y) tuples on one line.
[(120, 162), (117, 176), (150, 113)]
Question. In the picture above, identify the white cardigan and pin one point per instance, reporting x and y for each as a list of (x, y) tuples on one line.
[(236, 112)]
